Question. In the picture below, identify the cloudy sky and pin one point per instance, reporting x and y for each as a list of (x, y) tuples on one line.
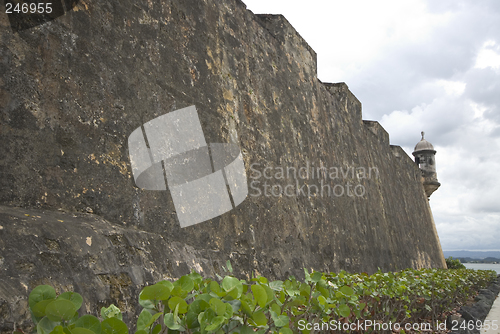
[(421, 65)]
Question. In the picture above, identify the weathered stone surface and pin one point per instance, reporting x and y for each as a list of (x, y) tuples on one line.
[(495, 288), (83, 252), (475, 313), (73, 89), (487, 295)]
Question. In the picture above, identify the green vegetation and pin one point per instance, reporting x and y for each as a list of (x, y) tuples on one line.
[(193, 304), (454, 263), (485, 260)]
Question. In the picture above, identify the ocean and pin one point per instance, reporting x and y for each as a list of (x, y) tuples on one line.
[(483, 266)]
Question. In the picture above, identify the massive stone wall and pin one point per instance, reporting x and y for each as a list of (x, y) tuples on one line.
[(73, 89)]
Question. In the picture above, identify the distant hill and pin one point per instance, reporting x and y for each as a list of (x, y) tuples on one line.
[(472, 254)]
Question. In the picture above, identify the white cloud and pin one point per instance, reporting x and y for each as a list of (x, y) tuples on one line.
[(488, 56), (454, 88), (470, 232)]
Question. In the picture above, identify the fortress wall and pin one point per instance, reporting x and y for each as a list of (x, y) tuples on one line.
[(71, 92)]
